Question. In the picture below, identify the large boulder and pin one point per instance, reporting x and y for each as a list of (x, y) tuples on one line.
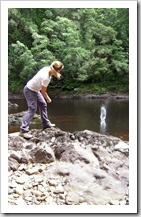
[(42, 154)]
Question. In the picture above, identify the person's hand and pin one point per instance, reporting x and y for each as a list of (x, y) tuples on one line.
[(49, 100)]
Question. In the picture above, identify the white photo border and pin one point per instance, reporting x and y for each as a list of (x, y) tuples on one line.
[(132, 207)]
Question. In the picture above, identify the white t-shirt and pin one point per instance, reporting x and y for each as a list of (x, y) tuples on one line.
[(42, 78)]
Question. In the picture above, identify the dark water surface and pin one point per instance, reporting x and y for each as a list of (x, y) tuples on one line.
[(80, 114)]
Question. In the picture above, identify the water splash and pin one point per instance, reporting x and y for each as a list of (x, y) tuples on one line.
[(103, 113), (103, 119)]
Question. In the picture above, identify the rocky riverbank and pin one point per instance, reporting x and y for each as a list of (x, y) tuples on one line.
[(16, 119), (61, 168), (116, 96)]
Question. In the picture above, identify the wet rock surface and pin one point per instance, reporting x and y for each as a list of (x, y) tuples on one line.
[(12, 105), (16, 119), (61, 168)]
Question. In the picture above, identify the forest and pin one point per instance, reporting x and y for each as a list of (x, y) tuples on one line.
[(92, 43)]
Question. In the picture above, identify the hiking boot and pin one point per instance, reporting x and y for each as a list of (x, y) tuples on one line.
[(49, 126), (25, 135)]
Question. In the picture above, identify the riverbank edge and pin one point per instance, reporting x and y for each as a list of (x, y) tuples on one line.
[(117, 96)]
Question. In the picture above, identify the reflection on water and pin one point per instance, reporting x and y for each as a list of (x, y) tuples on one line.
[(103, 127), (76, 115)]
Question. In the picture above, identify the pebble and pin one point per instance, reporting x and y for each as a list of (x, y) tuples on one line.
[(15, 195), (38, 179), (53, 182), (19, 190), (41, 198), (44, 184), (28, 198), (12, 184), (41, 188), (37, 193), (62, 196), (114, 202), (37, 202), (20, 201), (29, 146), (51, 189), (35, 184), (20, 180), (59, 189), (22, 167), (50, 200), (53, 139), (27, 193), (81, 200), (42, 168), (10, 191), (32, 171)]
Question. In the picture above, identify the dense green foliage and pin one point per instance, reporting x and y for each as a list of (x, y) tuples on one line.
[(92, 43)]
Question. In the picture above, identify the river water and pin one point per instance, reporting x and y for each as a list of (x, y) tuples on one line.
[(80, 114)]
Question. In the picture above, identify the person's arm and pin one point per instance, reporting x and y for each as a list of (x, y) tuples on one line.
[(45, 95)]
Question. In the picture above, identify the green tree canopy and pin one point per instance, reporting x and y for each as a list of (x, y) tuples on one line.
[(93, 44)]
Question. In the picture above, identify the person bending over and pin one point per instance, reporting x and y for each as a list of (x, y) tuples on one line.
[(36, 95)]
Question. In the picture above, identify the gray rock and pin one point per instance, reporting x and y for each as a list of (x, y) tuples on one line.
[(29, 146), (13, 164), (16, 155), (15, 143), (42, 154), (12, 105)]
